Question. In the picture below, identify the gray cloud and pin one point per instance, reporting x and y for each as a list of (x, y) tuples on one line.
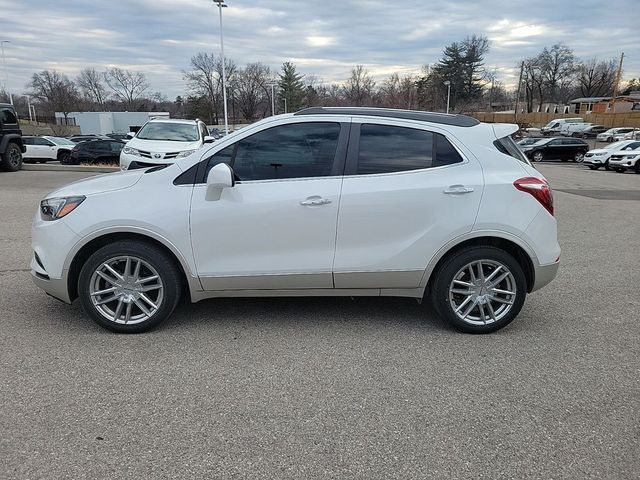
[(324, 39)]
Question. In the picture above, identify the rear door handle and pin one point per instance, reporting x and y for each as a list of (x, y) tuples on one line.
[(458, 190), (315, 201)]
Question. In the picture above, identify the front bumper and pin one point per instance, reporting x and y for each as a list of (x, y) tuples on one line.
[(593, 160), (55, 287)]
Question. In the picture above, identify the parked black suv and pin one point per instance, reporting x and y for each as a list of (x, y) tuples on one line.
[(560, 148), (11, 146), (97, 151)]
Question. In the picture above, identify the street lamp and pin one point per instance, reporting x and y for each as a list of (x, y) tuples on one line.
[(6, 72), (448, 84), (221, 4), (273, 98)]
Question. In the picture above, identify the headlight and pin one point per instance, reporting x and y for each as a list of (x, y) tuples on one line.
[(131, 151), (186, 153), (55, 208), (599, 154)]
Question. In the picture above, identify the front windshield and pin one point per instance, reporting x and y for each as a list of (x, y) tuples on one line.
[(61, 141), (174, 132)]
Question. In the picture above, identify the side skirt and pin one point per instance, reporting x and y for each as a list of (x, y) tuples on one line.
[(197, 296)]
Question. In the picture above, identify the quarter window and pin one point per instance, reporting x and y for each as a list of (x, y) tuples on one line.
[(387, 149)]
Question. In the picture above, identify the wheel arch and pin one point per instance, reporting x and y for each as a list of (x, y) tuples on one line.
[(521, 252), (83, 251)]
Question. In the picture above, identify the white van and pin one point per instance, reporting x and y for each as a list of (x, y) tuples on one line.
[(554, 126)]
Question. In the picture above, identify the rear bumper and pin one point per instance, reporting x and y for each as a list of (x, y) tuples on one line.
[(544, 274)]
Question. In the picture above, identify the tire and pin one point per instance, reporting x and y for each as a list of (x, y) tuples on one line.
[(537, 156), (455, 271), (11, 158), (578, 157), (133, 299), (593, 167), (637, 167), (620, 170), (606, 166), (64, 157)]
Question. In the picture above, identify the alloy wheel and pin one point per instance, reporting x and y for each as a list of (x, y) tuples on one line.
[(126, 290), (579, 157), (14, 157), (537, 157), (482, 292)]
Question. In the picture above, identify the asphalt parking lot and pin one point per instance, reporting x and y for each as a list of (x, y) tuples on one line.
[(334, 388)]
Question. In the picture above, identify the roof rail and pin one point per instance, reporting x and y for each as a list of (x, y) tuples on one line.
[(443, 118)]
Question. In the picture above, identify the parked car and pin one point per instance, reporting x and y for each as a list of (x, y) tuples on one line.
[(432, 206), (554, 126), (634, 134), (591, 131), (627, 158), (573, 129), (119, 136), (599, 157), (609, 135), (160, 142), (97, 151), (215, 133), (557, 148), (46, 148), (11, 145)]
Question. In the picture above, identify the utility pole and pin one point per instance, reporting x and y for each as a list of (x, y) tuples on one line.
[(29, 107), (515, 112), (221, 4), (617, 84), (6, 72)]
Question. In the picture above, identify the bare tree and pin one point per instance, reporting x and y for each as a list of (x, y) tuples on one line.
[(596, 78), (360, 86), (90, 82), (55, 91), (205, 79), (558, 66), (251, 89), (126, 85)]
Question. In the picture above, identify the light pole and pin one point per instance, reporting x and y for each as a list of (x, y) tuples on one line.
[(448, 84), (285, 104), (6, 72), (29, 108), (221, 4), (273, 98)]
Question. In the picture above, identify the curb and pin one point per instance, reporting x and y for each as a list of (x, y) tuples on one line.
[(67, 168)]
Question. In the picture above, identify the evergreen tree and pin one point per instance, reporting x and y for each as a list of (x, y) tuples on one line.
[(291, 87)]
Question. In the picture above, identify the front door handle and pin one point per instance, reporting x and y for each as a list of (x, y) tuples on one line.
[(458, 190), (315, 201)]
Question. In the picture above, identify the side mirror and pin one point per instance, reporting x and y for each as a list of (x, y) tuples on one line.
[(220, 176), (209, 139), (131, 135)]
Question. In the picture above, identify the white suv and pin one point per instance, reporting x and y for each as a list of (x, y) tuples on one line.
[(323, 202), (160, 142)]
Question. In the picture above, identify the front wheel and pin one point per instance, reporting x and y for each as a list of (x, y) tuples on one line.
[(479, 289), (12, 158), (129, 286), (578, 157), (593, 167), (64, 158), (538, 157)]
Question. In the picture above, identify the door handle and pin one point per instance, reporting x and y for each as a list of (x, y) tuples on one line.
[(315, 201), (458, 190)]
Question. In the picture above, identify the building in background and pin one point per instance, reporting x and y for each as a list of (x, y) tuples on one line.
[(101, 123)]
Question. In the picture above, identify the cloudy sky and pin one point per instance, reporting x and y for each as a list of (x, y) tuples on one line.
[(323, 38)]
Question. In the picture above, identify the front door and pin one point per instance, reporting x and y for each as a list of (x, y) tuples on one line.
[(406, 193), (276, 228)]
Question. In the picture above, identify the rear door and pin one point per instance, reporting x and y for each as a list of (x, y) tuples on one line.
[(407, 191)]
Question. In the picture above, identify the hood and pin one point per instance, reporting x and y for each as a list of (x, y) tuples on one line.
[(100, 184), (600, 150), (162, 146)]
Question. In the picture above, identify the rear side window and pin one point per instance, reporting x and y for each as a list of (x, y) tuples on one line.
[(507, 146), (8, 116), (388, 149)]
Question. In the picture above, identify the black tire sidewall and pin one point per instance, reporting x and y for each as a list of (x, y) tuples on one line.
[(165, 267), (444, 276), (64, 158), (6, 164)]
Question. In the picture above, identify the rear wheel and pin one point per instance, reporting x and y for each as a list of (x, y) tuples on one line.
[(538, 156), (637, 167), (606, 166), (479, 289), (620, 170), (11, 158), (578, 157), (129, 286), (593, 167)]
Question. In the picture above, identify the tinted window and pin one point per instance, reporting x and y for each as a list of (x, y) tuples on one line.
[(557, 141), (386, 149), (43, 142), (507, 146), (289, 151), (7, 115), (223, 156), (446, 154), (27, 140), (116, 147)]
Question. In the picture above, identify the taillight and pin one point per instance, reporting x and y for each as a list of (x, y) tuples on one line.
[(539, 188)]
